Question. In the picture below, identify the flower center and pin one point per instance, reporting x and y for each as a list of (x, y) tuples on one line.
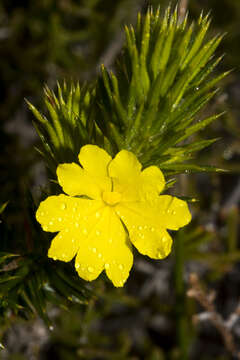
[(111, 197)]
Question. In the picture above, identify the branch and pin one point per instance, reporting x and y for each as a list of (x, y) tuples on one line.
[(207, 302)]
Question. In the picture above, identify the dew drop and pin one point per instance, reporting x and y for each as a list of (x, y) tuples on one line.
[(174, 212), (106, 266), (85, 231), (74, 209), (97, 214), (42, 213), (140, 228), (77, 266), (97, 232), (164, 239), (99, 255), (152, 229), (110, 240), (94, 250), (120, 267), (77, 224), (73, 240), (54, 258), (63, 255), (90, 269), (63, 206), (66, 230), (60, 219), (50, 223)]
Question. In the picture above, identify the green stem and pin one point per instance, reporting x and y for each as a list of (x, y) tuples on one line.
[(181, 316)]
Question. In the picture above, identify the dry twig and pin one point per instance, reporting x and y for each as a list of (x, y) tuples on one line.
[(207, 302)]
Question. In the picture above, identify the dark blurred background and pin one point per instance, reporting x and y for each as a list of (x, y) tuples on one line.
[(49, 40)]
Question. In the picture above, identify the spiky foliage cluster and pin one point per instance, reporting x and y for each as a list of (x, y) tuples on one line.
[(149, 106), (161, 83)]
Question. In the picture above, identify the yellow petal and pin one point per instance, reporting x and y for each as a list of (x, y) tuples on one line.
[(152, 183), (125, 171), (63, 212), (94, 160), (55, 212), (77, 181), (104, 246), (145, 232), (173, 212), (64, 246)]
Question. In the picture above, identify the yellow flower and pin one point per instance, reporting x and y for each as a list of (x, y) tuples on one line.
[(121, 207)]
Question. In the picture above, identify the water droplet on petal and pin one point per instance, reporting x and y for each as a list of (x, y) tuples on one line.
[(164, 239), (63, 255), (85, 231), (120, 266), (77, 224), (77, 266), (50, 223), (90, 269), (152, 229), (54, 258), (42, 213), (107, 266), (140, 228), (99, 255), (66, 230), (60, 219), (174, 212), (63, 206), (94, 250), (73, 240), (98, 232), (110, 240), (97, 214)]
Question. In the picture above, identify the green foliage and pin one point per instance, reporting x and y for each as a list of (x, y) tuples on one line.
[(162, 83), (29, 283), (150, 106)]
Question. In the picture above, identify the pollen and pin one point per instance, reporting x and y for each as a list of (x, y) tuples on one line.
[(111, 197)]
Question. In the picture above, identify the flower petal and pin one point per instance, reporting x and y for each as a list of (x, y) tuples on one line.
[(55, 212), (152, 183), (105, 246), (63, 212), (145, 232), (125, 170), (173, 212), (77, 181), (94, 160), (64, 246)]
